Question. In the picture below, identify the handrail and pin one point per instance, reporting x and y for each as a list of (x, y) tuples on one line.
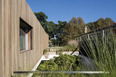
[(66, 72), (97, 30)]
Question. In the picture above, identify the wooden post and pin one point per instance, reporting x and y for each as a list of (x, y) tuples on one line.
[(103, 33), (88, 37), (80, 38)]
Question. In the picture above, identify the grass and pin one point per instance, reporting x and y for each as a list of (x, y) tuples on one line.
[(102, 51)]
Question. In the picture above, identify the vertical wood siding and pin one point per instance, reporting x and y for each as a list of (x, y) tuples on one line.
[(11, 59)]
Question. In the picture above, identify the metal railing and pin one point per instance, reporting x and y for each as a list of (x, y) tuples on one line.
[(44, 73)]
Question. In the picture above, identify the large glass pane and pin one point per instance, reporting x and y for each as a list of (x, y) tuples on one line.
[(22, 39), (25, 36)]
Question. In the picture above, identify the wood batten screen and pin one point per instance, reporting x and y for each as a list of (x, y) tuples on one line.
[(25, 36)]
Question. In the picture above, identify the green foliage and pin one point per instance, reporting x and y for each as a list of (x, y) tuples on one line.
[(74, 28), (60, 31), (80, 21), (45, 51), (48, 66), (67, 62), (100, 23), (102, 51), (56, 30), (108, 21), (63, 31), (42, 18), (61, 63), (62, 75), (52, 29), (69, 48), (91, 26)]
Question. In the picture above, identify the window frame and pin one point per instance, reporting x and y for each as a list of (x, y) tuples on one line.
[(28, 43)]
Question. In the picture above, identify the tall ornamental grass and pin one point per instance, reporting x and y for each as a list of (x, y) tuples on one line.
[(102, 51)]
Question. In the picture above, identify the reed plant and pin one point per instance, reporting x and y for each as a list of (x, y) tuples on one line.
[(101, 49)]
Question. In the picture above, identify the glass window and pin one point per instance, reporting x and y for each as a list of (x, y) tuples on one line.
[(25, 36)]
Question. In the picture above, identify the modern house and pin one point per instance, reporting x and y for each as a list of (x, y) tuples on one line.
[(22, 38)]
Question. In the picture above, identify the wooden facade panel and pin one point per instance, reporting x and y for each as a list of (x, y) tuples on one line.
[(6, 37), (1, 39), (12, 45), (16, 31), (11, 58)]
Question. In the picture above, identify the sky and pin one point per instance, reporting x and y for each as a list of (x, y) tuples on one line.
[(65, 10)]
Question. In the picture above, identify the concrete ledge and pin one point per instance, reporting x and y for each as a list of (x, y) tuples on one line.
[(49, 56), (35, 67), (38, 63)]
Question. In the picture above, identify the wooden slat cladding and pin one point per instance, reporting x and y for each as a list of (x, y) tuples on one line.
[(11, 59), (1, 39)]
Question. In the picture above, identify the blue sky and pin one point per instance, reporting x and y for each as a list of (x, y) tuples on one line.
[(64, 10)]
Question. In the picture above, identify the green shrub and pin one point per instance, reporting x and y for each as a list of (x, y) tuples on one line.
[(48, 66), (45, 51), (69, 48), (61, 63), (67, 62)]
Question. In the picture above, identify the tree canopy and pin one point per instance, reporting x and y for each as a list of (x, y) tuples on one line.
[(73, 28), (100, 23), (42, 18), (63, 31)]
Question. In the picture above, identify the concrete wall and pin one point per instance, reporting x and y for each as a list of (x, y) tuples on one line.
[(11, 59)]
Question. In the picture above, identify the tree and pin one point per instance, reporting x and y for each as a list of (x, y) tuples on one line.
[(80, 21), (70, 30), (100, 23), (73, 28), (91, 26), (42, 18), (60, 30), (108, 21), (64, 32), (74, 21), (51, 29), (81, 25), (55, 31)]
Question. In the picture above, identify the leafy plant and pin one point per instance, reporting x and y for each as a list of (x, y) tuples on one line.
[(45, 51), (61, 63), (48, 66), (67, 62)]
